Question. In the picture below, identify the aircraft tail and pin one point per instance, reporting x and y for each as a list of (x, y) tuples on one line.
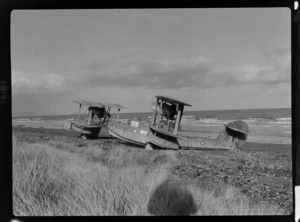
[(234, 135)]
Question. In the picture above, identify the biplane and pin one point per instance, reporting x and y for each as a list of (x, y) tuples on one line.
[(165, 132), (98, 116)]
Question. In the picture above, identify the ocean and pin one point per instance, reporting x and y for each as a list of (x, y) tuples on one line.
[(265, 125)]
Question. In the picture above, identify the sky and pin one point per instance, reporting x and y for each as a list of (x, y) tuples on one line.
[(213, 59)]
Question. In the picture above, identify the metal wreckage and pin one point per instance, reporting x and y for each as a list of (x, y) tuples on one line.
[(164, 131)]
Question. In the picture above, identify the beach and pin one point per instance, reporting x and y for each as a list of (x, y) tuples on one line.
[(261, 169), (258, 133)]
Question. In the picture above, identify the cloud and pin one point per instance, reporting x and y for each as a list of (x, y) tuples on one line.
[(277, 71), (23, 82), (198, 72), (171, 73), (266, 74)]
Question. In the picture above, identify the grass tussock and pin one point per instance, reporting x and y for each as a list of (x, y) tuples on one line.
[(51, 180), (245, 160), (230, 202)]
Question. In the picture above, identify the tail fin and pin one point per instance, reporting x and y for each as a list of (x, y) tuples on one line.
[(234, 135)]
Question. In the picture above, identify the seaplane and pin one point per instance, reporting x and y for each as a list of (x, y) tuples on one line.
[(98, 117), (165, 132)]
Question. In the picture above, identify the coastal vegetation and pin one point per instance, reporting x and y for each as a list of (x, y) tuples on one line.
[(57, 178)]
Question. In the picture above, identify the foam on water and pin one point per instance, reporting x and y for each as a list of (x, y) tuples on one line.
[(263, 126), (250, 121)]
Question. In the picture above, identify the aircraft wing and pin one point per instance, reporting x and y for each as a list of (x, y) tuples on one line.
[(89, 103), (114, 105), (171, 100), (100, 105)]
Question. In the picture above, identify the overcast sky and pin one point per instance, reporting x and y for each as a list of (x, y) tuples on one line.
[(211, 58)]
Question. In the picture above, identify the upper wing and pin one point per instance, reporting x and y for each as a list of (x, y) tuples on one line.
[(114, 105), (89, 103), (171, 100), (98, 104)]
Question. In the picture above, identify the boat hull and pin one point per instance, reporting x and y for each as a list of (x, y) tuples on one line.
[(131, 133), (136, 133), (81, 128), (163, 142)]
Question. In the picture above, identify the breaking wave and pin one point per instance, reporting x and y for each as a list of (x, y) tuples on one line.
[(267, 122)]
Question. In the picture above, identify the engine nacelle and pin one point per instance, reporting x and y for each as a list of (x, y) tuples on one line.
[(168, 111)]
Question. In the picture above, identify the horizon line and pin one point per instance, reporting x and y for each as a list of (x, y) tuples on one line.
[(150, 112)]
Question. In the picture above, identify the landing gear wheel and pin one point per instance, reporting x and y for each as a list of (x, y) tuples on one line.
[(148, 146), (83, 136)]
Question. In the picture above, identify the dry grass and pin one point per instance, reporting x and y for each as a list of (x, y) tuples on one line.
[(246, 160), (51, 180), (230, 202)]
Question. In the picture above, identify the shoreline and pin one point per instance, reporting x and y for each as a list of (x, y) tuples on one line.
[(259, 170), (206, 132)]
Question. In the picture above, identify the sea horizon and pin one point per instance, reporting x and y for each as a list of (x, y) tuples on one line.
[(144, 112)]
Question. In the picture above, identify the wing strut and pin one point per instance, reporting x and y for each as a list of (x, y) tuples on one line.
[(154, 113), (178, 118), (90, 116), (79, 111)]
